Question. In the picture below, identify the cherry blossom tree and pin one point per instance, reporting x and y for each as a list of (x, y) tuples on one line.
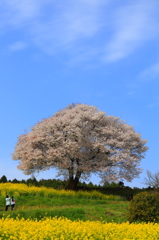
[(80, 140)]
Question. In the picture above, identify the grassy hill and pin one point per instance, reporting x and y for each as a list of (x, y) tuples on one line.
[(38, 202)]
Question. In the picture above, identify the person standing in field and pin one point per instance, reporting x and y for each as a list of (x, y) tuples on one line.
[(12, 203), (8, 202), (131, 197)]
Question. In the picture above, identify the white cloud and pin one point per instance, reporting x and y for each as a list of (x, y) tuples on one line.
[(133, 25), (78, 27), (16, 13), (151, 105), (17, 46), (50, 25), (154, 103), (150, 73), (76, 23)]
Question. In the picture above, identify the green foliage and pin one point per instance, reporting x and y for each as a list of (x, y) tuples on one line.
[(3, 179), (124, 192), (144, 207), (111, 185)]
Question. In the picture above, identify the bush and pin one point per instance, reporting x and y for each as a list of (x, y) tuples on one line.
[(144, 207)]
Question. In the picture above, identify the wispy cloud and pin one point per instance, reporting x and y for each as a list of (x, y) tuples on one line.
[(17, 46), (152, 105), (150, 73), (76, 23), (76, 27), (154, 102), (132, 26), (50, 25), (16, 14)]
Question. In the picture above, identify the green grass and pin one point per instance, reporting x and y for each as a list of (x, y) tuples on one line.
[(73, 208)]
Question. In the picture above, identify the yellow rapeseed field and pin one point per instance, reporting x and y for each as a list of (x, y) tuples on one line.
[(64, 229), (17, 189)]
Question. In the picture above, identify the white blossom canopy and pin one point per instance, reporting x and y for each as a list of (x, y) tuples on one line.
[(80, 140)]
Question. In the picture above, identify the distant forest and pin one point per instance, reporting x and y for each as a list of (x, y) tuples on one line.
[(53, 183)]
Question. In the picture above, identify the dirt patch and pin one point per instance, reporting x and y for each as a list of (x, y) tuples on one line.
[(109, 214)]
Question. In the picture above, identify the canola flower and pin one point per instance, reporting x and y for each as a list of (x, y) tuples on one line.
[(17, 189), (64, 229)]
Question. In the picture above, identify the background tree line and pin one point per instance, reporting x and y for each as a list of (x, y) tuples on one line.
[(107, 188)]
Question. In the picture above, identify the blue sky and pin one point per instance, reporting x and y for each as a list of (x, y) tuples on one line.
[(99, 52)]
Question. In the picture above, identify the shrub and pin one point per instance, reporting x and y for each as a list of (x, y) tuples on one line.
[(144, 207)]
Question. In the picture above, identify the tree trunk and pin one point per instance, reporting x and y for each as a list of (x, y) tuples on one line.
[(73, 182)]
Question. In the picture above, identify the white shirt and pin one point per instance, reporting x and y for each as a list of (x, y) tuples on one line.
[(8, 201), (12, 202)]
